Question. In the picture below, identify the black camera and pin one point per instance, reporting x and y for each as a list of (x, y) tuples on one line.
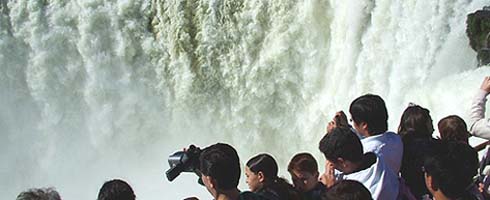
[(184, 161)]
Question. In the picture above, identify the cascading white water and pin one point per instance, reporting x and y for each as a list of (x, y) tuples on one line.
[(93, 90)]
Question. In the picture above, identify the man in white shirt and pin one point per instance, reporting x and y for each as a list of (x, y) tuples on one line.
[(480, 126), (370, 120), (343, 149)]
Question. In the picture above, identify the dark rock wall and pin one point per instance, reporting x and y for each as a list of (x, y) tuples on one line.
[(478, 29)]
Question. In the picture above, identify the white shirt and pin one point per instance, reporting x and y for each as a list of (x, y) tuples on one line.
[(388, 146), (378, 179)]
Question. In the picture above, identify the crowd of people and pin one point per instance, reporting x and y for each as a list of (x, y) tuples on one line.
[(363, 161)]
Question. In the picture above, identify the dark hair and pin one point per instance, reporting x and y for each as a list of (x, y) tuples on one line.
[(274, 186), (370, 109), (220, 161), (116, 190), (341, 119), (347, 190), (453, 128), (39, 194), (279, 189), (416, 123), (452, 167), (303, 162), (264, 163), (341, 143)]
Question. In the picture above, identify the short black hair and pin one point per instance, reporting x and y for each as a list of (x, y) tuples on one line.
[(347, 190), (371, 109), (452, 166), (116, 190), (341, 143), (220, 161)]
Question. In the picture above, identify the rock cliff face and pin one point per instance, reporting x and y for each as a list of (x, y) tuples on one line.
[(478, 31)]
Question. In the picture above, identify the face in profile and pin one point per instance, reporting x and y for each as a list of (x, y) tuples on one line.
[(254, 180), (304, 181)]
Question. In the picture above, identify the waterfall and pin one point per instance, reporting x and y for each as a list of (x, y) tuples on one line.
[(93, 90)]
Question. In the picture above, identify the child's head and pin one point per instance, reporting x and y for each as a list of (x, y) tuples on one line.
[(304, 172), (260, 170), (348, 190), (453, 128)]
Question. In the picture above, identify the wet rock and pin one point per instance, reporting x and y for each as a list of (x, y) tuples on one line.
[(478, 31)]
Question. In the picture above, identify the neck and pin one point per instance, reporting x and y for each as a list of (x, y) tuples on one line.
[(367, 160), (351, 167), (228, 195), (373, 134)]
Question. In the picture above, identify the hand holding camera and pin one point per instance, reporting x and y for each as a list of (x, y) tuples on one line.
[(184, 161)]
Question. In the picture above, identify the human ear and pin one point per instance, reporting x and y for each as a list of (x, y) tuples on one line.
[(211, 182), (341, 162), (429, 183), (261, 176), (364, 126)]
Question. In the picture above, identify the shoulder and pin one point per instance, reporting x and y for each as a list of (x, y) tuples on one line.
[(247, 195), (392, 136)]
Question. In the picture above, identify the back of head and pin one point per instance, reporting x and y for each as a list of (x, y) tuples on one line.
[(264, 163), (452, 167), (303, 162), (220, 161), (39, 194), (416, 123), (280, 189), (116, 190), (370, 109), (347, 190), (453, 128), (341, 143)]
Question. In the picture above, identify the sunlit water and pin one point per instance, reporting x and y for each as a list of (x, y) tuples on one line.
[(92, 90)]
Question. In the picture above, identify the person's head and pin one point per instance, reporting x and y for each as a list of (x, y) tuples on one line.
[(369, 115), (39, 194), (347, 190), (260, 170), (453, 128), (450, 168), (343, 148), (116, 190), (339, 120), (220, 168), (304, 172), (416, 123)]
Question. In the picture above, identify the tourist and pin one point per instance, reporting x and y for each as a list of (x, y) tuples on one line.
[(344, 150), (416, 131), (304, 174), (370, 120), (261, 172)]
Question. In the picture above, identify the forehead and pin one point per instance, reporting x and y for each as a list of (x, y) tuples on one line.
[(247, 171)]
